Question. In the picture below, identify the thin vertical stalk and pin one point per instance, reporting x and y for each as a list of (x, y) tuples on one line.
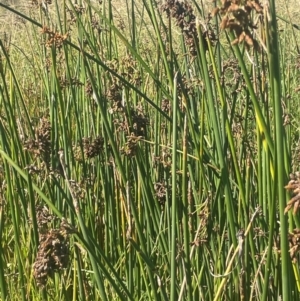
[(174, 213), (280, 172), (3, 285), (186, 233)]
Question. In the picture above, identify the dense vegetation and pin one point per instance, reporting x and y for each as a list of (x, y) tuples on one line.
[(149, 151)]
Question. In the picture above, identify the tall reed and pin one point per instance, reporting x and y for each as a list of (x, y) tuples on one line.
[(146, 150)]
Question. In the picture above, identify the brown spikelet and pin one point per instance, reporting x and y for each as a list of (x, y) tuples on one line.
[(294, 185), (235, 41), (248, 40), (224, 23), (52, 256), (215, 11), (233, 7), (294, 244), (242, 37), (238, 17), (40, 146), (184, 17), (256, 6)]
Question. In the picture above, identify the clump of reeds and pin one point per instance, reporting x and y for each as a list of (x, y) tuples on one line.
[(166, 146)]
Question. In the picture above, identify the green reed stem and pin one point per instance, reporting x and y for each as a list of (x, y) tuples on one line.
[(280, 170), (174, 213)]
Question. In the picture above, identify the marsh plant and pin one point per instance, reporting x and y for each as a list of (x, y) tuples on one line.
[(149, 150)]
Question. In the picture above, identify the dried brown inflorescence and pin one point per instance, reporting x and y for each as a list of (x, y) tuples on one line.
[(294, 244), (40, 147), (130, 147), (89, 88), (161, 190), (54, 38), (166, 105), (79, 10), (129, 121), (92, 147), (114, 95), (184, 17), (134, 123), (43, 218), (294, 185), (64, 82), (53, 253), (139, 122), (164, 159), (237, 17), (129, 69)]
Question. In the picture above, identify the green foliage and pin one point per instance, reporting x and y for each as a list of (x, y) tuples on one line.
[(145, 152)]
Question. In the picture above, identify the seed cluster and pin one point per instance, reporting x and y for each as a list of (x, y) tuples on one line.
[(294, 202), (237, 18), (161, 191), (162, 163), (53, 250), (294, 185), (128, 120), (54, 38), (43, 218), (92, 148), (40, 147), (130, 147), (64, 82), (72, 16), (114, 95), (52, 256), (294, 244), (184, 17), (166, 105)]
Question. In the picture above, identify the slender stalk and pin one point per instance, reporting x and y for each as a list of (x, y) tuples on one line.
[(174, 213), (280, 178)]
